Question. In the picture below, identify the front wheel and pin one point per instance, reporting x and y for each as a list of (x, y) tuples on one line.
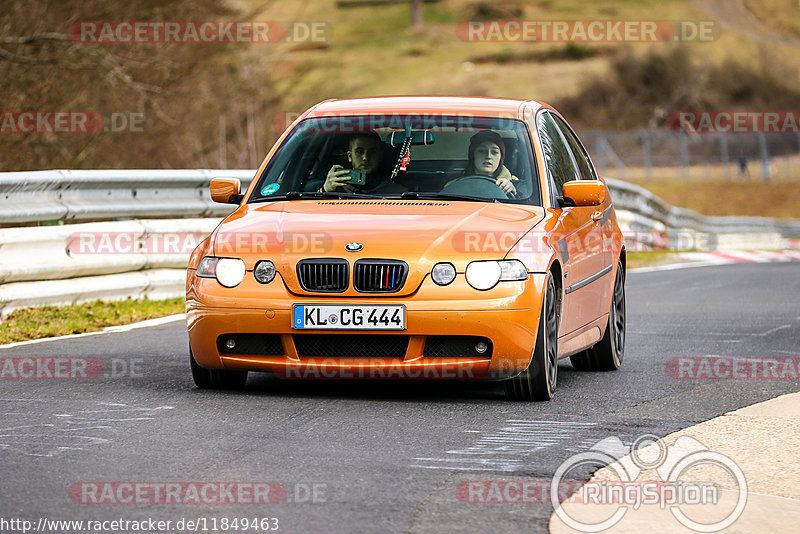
[(607, 354), (216, 378), (538, 381)]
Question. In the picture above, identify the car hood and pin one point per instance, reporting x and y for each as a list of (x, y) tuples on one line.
[(421, 233)]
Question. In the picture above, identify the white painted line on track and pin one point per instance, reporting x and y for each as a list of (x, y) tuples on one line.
[(705, 259), (674, 266), (508, 448)]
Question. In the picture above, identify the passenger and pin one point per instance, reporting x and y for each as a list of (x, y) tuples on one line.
[(487, 153), (367, 153)]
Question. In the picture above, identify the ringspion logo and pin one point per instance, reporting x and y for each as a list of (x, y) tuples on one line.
[(683, 470)]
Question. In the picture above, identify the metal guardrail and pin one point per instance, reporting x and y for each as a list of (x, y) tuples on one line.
[(86, 249), (37, 266), (74, 196), (63, 195), (687, 229)]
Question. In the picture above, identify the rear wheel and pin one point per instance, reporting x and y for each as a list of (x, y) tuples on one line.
[(538, 381), (216, 378), (608, 353)]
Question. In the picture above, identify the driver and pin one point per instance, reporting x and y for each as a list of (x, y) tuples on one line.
[(366, 153), (487, 152)]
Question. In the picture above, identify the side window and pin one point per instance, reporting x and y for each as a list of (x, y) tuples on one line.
[(556, 154), (581, 159)]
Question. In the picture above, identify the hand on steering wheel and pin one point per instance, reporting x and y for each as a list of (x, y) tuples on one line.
[(484, 178), (506, 185)]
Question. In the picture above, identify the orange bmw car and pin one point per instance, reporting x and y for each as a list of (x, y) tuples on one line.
[(413, 237)]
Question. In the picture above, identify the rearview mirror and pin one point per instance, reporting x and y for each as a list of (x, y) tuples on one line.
[(226, 190), (585, 192)]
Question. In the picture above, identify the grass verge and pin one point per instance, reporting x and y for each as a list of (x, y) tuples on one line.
[(648, 258), (718, 197), (50, 321)]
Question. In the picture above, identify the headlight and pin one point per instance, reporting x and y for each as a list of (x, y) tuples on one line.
[(443, 273), (264, 271), (485, 274), (230, 271), (512, 270)]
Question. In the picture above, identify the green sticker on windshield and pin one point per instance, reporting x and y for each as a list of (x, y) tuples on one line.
[(269, 189)]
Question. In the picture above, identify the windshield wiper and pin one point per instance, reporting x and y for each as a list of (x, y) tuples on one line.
[(416, 195), (306, 195)]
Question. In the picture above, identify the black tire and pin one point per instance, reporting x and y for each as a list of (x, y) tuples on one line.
[(538, 381), (216, 378), (608, 353)]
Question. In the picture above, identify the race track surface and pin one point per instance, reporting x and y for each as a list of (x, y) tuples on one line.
[(382, 457)]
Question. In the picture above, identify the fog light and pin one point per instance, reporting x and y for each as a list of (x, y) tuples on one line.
[(481, 347), (443, 273), (230, 343), (264, 271)]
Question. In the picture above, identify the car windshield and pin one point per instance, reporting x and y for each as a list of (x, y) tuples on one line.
[(403, 156)]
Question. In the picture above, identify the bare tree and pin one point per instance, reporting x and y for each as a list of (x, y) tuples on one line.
[(181, 89)]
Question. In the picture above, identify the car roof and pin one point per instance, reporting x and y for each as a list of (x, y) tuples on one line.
[(484, 106)]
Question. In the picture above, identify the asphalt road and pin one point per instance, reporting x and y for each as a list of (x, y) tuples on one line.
[(372, 456)]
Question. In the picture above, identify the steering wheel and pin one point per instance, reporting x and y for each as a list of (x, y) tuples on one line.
[(477, 185)]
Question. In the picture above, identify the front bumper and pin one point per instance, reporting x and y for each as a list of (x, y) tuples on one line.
[(507, 315)]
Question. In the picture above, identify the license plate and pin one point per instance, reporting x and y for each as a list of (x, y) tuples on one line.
[(349, 317)]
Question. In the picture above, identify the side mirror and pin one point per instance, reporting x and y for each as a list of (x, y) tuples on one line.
[(226, 190), (585, 192)]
